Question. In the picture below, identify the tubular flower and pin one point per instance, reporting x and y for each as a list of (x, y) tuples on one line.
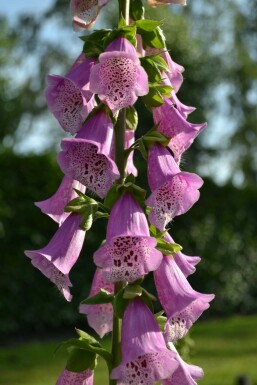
[(185, 374), (68, 97), (76, 378), (155, 3), (87, 157), (118, 78), (129, 251), (182, 305), (57, 258), (184, 262), (99, 316), (145, 358), (172, 124), (54, 206), (173, 191), (85, 12)]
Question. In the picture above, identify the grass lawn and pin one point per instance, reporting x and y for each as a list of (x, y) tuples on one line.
[(225, 349)]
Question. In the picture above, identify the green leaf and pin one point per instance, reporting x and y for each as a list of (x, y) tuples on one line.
[(112, 196), (167, 248), (147, 298), (102, 297), (94, 43), (120, 304), (154, 136), (152, 70), (122, 22), (137, 10), (153, 99), (154, 39), (147, 25), (85, 336), (131, 118), (80, 360), (142, 149), (128, 31), (132, 291)]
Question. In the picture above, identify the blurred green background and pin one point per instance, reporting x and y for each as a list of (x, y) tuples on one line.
[(216, 42)]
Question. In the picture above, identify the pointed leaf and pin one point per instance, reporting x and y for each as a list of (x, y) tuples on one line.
[(131, 118), (102, 297), (80, 360)]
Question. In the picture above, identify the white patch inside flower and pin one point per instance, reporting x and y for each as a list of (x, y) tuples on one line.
[(128, 257), (68, 105), (145, 370), (118, 80), (175, 328), (168, 199), (90, 168)]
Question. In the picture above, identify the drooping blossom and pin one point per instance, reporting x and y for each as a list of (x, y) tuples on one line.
[(99, 316), (76, 378), (68, 97), (155, 3), (57, 258), (184, 262), (85, 12), (54, 206), (145, 358), (87, 157), (118, 78), (129, 251), (173, 191), (174, 125), (182, 304), (185, 374)]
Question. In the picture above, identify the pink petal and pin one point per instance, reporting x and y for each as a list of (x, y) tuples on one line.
[(100, 317), (128, 258), (54, 206)]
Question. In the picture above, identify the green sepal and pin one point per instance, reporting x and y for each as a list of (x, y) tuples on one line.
[(120, 304), (167, 248), (153, 136), (156, 233), (80, 360), (137, 191), (161, 320), (131, 118), (79, 205), (100, 215), (122, 22), (102, 297), (128, 31), (88, 217), (137, 10), (132, 291)]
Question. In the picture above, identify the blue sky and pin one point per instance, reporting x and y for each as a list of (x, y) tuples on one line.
[(37, 139)]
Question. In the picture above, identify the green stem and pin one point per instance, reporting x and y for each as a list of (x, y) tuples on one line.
[(120, 159)]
